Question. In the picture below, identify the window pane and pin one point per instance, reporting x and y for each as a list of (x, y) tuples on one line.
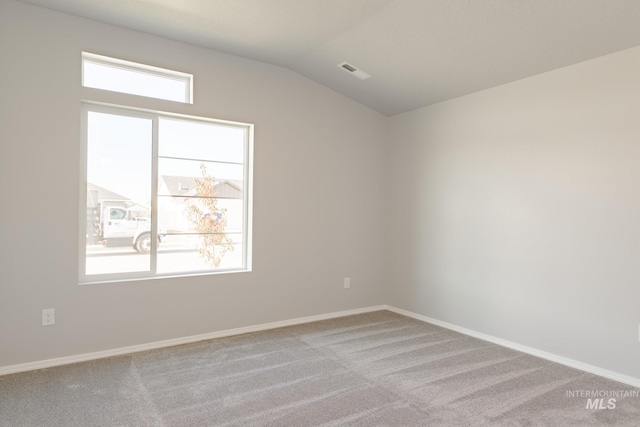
[(201, 141), (136, 79), (118, 193), (202, 217)]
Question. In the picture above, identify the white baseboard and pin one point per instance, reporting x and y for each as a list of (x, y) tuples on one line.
[(625, 379), (12, 369)]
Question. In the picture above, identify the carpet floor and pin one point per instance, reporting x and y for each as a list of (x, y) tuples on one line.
[(374, 369)]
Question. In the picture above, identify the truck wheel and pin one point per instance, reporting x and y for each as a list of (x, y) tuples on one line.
[(143, 244)]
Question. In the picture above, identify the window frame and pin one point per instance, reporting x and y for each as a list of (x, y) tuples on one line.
[(140, 69), (155, 116)]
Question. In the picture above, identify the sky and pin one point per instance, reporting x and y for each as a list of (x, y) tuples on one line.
[(119, 151)]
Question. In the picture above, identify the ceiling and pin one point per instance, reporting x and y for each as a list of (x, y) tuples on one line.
[(418, 52)]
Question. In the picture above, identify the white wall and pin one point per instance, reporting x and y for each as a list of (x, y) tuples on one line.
[(323, 152), (519, 212)]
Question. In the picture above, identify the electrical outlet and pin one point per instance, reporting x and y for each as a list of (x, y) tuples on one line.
[(347, 282), (48, 317)]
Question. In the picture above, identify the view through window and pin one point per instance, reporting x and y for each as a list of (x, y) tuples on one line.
[(165, 194)]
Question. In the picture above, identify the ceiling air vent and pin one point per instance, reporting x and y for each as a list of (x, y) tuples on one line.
[(354, 71)]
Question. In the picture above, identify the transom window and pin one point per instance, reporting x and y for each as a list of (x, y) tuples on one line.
[(103, 72)]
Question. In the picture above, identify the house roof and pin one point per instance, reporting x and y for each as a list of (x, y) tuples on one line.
[(97, 193), (186, 186)]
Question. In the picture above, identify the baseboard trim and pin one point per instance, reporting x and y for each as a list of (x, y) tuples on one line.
[(49, 363), (625, 379)]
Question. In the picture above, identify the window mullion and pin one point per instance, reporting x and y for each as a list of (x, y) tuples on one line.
[(154, 195)]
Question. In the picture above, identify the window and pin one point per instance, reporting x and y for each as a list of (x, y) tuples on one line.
[(102, 72), (164, 194)]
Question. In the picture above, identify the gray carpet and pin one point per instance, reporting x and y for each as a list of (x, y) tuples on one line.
[(376, 369)]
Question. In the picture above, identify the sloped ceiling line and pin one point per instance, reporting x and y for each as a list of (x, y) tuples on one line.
[(419, 52)]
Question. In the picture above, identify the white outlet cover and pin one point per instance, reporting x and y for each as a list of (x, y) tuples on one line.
[(48, 317)]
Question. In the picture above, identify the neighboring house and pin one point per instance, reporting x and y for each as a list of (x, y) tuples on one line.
[(176, 193), (186, 186), (97, 195)]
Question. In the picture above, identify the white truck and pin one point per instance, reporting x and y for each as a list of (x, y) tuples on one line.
[(120, 226)]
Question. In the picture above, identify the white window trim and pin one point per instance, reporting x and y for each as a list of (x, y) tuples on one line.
[(141, 68), (154, 115)]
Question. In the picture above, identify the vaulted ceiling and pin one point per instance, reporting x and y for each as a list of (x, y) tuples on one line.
[(418, 52)]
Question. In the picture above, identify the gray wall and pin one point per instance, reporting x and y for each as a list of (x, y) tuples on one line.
[(519, 212), (321, 150), (512, 212)]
